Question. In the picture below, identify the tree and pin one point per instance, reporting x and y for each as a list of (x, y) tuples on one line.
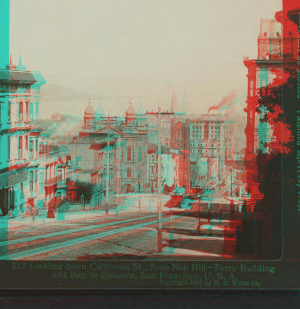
[(244, 206), (276, 168), (86, 189)]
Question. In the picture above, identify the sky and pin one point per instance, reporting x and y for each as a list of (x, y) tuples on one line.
[(139, 50)]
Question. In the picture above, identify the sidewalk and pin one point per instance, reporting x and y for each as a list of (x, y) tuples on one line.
[(60, 218), (128, 204)]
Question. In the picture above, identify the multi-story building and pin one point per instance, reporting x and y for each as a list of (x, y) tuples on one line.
[(158, 123), (56, 175), (29, 173), (152, 167), (19, 137), (112, 154), (277, 51), (210, 141)]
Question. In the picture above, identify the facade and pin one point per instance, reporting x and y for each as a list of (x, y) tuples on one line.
[(133, 151), (121, 156), (111, 154), (194, 149), (19, 136), (56, 175), (152, 168), (30, 174), (158, 122), (277, 51), (210, 142)]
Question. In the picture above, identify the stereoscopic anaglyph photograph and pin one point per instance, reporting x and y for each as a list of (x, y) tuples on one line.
[(149, 130)]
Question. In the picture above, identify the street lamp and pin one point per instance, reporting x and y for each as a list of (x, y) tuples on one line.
[(82, 201)]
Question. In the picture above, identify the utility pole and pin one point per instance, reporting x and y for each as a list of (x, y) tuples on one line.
[(159, 226), (118, 175), (159, 172), (107, 175), (231, 180)]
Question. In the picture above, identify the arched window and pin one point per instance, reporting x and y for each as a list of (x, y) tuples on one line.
[(129, 153), (128, 172)]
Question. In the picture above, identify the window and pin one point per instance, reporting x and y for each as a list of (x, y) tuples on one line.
[(9, 112), (2, 152), (8, 147), (41, 181), (30, 148), (36, 111), (140, 154), (31, 181), (139, 173), (152, 170), (36, 179), (21, 112), (37, 147), (129, 153), (26, 111), (30, 111), (26, 143), (251, 88), (20, 147), (128, 172)]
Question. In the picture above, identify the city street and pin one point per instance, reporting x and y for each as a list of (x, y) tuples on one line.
[(92, 234)]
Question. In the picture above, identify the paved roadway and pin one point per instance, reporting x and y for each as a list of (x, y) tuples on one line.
[(127, 233)]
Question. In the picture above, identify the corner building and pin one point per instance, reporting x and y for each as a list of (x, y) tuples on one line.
[(19, 136)]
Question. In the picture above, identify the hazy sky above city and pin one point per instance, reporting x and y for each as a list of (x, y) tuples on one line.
[(139, 49)]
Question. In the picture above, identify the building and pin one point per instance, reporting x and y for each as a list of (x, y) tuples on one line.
[(32, 172), (277, 51), (111, 153), (152, 167), (56, 175), (19, 135), (209, 143)]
